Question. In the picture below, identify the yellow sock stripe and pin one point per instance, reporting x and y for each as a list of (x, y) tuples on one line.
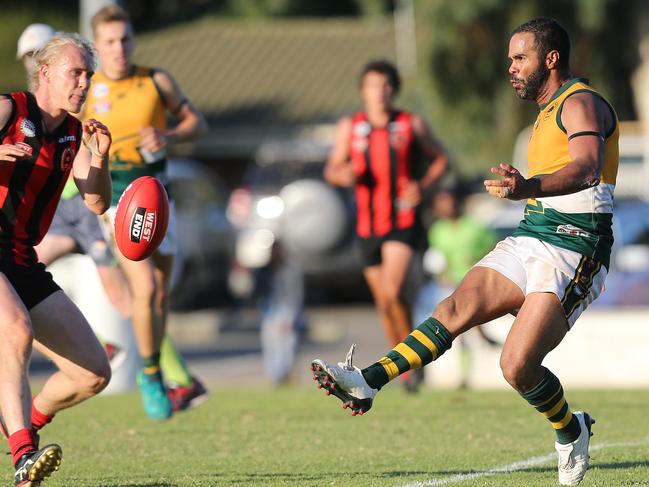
[(425, 341), (548, 400), (409, 354), (390, 367), (551, 412), (564, 422)]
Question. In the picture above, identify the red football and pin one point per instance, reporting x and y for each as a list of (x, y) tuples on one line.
[(142, 218)]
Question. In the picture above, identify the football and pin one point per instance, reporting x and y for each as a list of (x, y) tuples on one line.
[(141, 219)]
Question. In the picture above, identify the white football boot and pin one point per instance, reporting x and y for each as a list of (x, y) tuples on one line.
[(346, 382), (573, 457)]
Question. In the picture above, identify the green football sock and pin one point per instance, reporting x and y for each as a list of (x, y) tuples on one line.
[(173, 366), (151, 365), (547, 398), (425, 344)]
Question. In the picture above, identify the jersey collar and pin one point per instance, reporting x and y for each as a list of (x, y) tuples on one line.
[(562, 89)]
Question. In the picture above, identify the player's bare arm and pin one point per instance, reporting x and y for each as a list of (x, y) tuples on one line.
[(191, 122), (339, 170), (9, 152), (90, 170), (587, 120), (432, 150)]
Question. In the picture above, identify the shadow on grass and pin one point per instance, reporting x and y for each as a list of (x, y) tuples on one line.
[(597, 466), (395, 474), (148, 484)]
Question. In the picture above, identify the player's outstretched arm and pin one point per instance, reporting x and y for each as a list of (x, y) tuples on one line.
[(91, 172), (339, 170)]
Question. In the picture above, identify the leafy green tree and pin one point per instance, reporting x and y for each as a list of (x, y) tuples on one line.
[(463, 67)]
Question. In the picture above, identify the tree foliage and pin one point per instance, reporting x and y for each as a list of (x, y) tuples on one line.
[(463, 59)]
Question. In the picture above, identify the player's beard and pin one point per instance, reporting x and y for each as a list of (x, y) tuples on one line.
[(533, 84)]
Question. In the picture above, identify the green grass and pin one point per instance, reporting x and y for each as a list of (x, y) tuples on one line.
[(299, 437)]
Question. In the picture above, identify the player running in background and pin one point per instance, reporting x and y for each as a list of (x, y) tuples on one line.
[(550, 270), (133, 101), (376, 152), (41, 143)]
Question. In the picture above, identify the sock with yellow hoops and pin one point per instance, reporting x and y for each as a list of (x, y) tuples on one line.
[(425, 344), (547, 398)]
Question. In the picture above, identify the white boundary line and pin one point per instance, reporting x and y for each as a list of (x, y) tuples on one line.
[(516, 466)]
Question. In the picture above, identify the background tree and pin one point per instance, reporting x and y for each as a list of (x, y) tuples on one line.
[(463, 67)]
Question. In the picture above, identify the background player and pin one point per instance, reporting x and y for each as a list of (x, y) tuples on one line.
[(376, 152), (133, 101)]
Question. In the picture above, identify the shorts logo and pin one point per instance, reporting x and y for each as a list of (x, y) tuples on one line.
[(142, 225), (67, 158), (28, 128), (572, 230), (26, 147)]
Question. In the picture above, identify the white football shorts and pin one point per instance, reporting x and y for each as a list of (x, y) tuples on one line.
[(537, 266)]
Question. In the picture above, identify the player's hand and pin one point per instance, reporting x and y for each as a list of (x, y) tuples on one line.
[(345, 175), (153, 139), (96, 137), (409, 194), (12, 153), (513, 186)]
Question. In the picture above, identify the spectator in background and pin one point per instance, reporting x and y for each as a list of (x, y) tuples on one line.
[(456, 242), (281, 313), (376, 153), (134, 102)]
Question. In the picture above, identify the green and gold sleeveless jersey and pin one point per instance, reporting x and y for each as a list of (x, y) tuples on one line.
[(126, 106), (579, 221)]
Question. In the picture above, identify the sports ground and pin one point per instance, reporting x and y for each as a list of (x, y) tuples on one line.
[(296, 436)]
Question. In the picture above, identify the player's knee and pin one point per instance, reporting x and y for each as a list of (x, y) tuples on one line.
[(390, 297), (144, 291), (447, 310), (515, 371), (18, 335), (96, 381)]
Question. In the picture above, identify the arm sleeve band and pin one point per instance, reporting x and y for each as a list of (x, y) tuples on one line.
[(582, 134)]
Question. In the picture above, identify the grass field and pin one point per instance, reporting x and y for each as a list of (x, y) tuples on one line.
[(299, 437)]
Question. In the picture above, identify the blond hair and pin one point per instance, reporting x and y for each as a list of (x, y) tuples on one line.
[(110, 13), (53, 49)]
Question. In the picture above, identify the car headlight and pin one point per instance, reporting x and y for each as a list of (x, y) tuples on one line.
[(270, 207)]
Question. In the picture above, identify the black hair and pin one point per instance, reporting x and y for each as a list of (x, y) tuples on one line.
[(386, 68), (549, 36)]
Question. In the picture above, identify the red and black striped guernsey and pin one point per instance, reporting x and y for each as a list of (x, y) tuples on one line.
[(30, 189), (382, 158)]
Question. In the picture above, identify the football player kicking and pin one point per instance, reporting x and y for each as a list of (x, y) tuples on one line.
[(549, 271)]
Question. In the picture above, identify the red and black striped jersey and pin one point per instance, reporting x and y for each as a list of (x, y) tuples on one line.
[(383, 159), (30, 189)]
